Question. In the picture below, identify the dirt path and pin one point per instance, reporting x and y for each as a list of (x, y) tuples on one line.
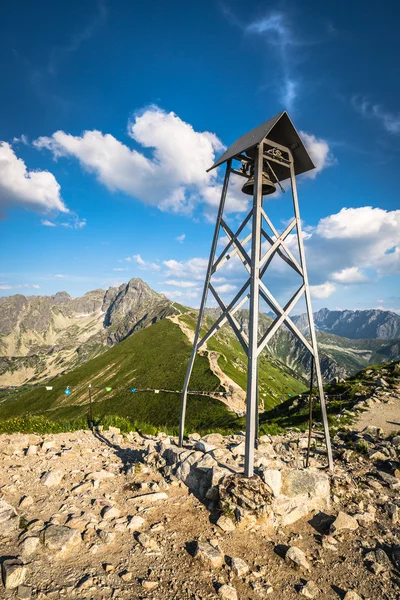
[(237, 401), (386, 416)]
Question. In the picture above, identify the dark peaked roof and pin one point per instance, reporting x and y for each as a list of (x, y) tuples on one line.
[(281, 130)]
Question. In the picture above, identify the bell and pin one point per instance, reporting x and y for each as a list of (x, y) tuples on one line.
[(267, 187)]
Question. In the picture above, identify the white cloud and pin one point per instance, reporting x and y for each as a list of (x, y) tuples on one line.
[(48, 223), (194, 268), (322, 291), (319, 151), (340, 250), (182, 284), (120, 269), (278, 35), (19, 286), (172, 294), (22, 139), (224, 288), (138, 259), (349, 275), (74, 223), (173, 178), (368, 110), (144, 265), (181, 238), (34, 190), (59, 276)]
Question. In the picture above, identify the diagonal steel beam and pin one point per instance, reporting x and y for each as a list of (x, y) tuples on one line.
[(231, 254), (245, 258), (241, 336), (239, 231), (283, 247), (270, 300), (280, 320), (271, 251), (222, 319)]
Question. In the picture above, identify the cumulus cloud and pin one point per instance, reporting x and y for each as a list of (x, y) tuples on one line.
[(181, 238), (322, 291), (33, 190), (319, 151), (174, 175), (340, 250), (173, 178), (349, 275), (194, 268)]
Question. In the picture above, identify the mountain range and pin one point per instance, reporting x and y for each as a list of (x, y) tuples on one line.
[(45, 336)]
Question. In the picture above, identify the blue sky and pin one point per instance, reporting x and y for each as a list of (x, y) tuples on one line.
[(112, 111)]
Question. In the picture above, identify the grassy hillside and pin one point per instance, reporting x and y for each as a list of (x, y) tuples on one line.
[(155, 357)]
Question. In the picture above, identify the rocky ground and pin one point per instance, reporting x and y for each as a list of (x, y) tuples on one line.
[(100, 515)]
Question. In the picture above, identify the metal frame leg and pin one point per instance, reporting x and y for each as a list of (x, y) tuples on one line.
[(203, 302), (252, 370), (317, 365)]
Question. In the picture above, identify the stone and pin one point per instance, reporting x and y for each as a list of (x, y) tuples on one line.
[(352, 595), (226, 524), (84, 583), (26, 502), (248, 493), (227, 592), (14, 573), (149, 585), (152, 497), (110, 512), (61, 539), (296, 558), (31, 450), (107, 537), (29, 546), (108, 567), (114, 430), (239, 566), (24, 592), (9, 519), (47, 445), (99, 475), (305, 482), (126, 575), (273, 478), (52, 478), (343, 522), (137, 522), (147, 542), (309, 590), (209, 555), (204, 447), (212, 438)]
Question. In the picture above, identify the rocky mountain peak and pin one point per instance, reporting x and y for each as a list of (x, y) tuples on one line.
[(61, 298)]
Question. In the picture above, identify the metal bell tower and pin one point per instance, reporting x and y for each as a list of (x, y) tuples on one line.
[(267, 155)]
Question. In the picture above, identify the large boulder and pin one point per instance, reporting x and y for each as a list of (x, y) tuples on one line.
[(61, 539)]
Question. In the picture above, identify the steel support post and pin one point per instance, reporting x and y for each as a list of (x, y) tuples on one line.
[(310, 407), (203, 302), (252, 368), (317, 365)]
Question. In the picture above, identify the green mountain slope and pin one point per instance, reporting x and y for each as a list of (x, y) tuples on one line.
[(155, 357)]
